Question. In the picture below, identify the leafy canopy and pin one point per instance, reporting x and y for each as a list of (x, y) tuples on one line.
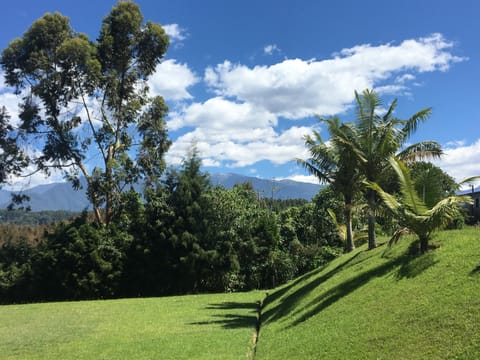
[(84, 100)]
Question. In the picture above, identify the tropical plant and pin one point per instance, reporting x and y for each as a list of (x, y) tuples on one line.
[(357, 236), (431, 182), (374, 138), (413, 214), (334, 163)]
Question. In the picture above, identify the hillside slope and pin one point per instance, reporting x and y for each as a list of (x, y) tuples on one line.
[(381, 304)]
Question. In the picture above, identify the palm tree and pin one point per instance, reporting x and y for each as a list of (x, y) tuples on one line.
[(375, 138), (412, 212), (333, 163)]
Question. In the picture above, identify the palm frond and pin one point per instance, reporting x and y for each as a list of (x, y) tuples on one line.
[(367, 104), (411, 124), (323, 174), (407, 187), (446, 210), (398, 234), (469, 180), (389, 200), (351, 144), (390, 110), (420, 151), (341, 229)]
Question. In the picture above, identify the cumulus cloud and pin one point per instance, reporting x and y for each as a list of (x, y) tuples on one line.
[(461, 160), (223, 115), (240, 125), (175, 32), (249, 117), (172, 80), (241, 148), (297, 88)]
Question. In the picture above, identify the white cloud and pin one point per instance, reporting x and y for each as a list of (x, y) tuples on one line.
[(172, 80), (270, 49), (175, 32), (390, 89), (222, 116), (312, 179), (30, 177), (455, 143), (239, 125), (461, 160), (239, 150), (296, 88), (234, 134), (404, 78), (210, 162), (16, 183), (10, 101)]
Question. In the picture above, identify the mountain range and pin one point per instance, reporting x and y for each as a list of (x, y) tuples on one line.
[(61, 196)]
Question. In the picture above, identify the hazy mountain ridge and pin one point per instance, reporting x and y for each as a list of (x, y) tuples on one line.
[(61, 196)]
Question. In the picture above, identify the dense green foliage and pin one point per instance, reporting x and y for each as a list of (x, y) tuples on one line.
[(12, 159), (20, 217), (184, 237)]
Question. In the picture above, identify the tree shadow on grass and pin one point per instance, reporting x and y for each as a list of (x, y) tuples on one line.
[(408, 265), (476, 270), (289, 303), (231, 305), (415, 265), (232, 319)]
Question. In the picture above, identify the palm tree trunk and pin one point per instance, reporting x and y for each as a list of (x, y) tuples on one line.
[(349, 244), (423, 244), (372, 242)]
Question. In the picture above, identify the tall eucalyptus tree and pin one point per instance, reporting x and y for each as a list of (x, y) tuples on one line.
[(86, 105)]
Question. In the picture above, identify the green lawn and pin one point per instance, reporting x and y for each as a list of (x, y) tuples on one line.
[(380, 304), (184, 327)]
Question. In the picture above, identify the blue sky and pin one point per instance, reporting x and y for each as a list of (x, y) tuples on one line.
[(243, 79)]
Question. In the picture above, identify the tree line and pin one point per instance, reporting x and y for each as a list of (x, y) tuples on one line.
[(185, 237)]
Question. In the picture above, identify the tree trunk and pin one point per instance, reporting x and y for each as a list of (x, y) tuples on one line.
[(349, 244), (423, 244), (96, 210), (372, 242)]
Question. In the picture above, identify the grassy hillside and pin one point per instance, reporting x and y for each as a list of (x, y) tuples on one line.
[(380, 304)]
